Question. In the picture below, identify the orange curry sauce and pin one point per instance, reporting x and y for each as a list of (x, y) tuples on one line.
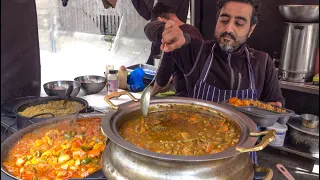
[(58, 151), (182, 133)]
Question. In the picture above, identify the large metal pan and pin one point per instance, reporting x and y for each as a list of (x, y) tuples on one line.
[(13, 139), (230, 164), (23, 121)]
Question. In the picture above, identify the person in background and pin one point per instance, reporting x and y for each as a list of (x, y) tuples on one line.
[(219, 70), (20, 56), (169, 72), (144, 8)]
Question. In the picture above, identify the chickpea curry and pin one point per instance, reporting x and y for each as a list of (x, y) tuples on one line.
[(181, 132), (61, 150)]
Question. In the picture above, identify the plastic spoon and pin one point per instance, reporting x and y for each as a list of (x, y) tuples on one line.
[(285, 172)]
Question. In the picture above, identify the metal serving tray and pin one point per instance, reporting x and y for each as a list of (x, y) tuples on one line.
[(263, 117), (149, 70)]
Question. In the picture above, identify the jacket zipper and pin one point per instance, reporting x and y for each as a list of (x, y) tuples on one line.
[(239, 81), (231, 70)]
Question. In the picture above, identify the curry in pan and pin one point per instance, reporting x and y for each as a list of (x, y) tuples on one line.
[(57, 108), (59, 151), (250, 102), (181, 132)]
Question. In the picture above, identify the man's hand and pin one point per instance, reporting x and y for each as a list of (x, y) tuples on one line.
[(156, 88), (276, 104), (172, 37)]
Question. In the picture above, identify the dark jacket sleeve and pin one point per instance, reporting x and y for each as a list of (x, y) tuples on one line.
[(142, 9), (154, 30), (271, 90), (166, 67), (185, 56), (181, 7)]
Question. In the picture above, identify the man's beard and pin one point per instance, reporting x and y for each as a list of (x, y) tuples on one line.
[(225, 44)]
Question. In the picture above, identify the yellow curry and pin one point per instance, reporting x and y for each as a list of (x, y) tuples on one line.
[(181, 133), (59, 151)]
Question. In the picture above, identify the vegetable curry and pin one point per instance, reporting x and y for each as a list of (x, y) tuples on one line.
[(250, 102), (181, 132), (58, 151)]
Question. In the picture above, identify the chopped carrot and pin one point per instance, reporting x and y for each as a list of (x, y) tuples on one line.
[(233, 100), (94, 153), (193, 119), (210, 147)]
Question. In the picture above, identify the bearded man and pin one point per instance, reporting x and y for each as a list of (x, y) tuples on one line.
[(219, 70)]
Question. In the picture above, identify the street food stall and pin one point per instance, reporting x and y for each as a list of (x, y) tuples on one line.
[(94, 127)]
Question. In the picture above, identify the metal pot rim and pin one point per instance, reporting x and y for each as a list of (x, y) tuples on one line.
[(247, 126)]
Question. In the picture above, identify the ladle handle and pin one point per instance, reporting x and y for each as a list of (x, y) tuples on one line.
[(69, 91), (118, 94), (270, 135)]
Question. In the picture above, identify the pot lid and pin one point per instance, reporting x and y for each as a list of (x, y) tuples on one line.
[(295, 123), (113, 120)]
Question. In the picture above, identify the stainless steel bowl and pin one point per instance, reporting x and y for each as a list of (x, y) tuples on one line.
[(310, 121), (300, 13), (59, 88), (91, 84)]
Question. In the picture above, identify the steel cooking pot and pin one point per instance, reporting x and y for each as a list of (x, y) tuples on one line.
[(126, 161)]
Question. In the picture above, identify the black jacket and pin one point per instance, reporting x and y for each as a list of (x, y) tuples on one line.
[(168, 67), (266, 78), (144, 8), (20, 58)]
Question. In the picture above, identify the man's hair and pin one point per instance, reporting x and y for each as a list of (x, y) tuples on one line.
[(256, 5), (163, 10)]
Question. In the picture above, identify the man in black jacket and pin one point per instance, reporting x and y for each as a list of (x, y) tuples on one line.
[(144, 8), (217, 71), (20, 58)]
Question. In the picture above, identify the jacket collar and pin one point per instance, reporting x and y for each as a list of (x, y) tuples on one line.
[(238, 53)]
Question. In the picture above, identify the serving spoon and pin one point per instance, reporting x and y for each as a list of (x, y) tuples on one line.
[(76, 116), (68, 95), (146, 95)]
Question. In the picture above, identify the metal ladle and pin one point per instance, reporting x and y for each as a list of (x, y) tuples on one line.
[(68, 95), (146, 95)]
